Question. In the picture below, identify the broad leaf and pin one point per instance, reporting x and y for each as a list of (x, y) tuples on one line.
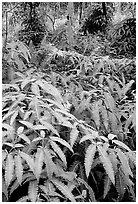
[(18, 168), (9, 169), (33, 190)]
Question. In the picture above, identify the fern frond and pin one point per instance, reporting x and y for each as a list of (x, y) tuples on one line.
[(39, 158), (33, 190), (89, 156), (64, 189), (18, 168), (104, 157), (107, 185), (124, 163), (73, 136), (59, 152), (87, 137), (9, 169), (28, 159)]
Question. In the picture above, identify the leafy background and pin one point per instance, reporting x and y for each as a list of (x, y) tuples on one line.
[(68, 102)]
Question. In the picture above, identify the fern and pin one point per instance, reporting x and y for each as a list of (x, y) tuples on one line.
[(39, 157), (59, 152), (114, 160), (121, 144), (18, 168), (9, 169), (104, 157), (64, 189), (89, 156), (33, 191)]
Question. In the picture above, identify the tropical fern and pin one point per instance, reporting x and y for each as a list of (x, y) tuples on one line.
[(29, 160), (73, 135), (107, 185)]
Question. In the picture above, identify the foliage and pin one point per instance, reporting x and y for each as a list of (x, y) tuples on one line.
[(68, 118)]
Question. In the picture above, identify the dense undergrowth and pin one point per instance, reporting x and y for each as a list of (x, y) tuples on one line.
[(69, 122)]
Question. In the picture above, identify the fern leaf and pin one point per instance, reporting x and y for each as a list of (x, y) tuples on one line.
[(49, 163), (61, 141), (28, 159), (39, 158), (107, 185), (73, 136), (18, 168), (64, 189), (104, 157), (33, 190), (59, 152), (89, 156), (121, 144), (9, 169), (124, 163)]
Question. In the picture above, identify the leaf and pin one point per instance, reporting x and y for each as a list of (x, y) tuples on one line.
[(39, 157), (35, 89), (48, 126), (121, 144), (7, 115), (33, 190), (127, 87), (124, 163), (18, 168), (9, 169), (104, 157), (28, 124), (20, 130), (25, 82), (23, 199), (61, 141), (73, 135), (25, 138), (120, 185), (59, 152), (90, 137), (107, 185), (64, 189), (29, 160), (110, 102), (95, 114), (89, 156), (92, 196), (114, 160), (49, 163)]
